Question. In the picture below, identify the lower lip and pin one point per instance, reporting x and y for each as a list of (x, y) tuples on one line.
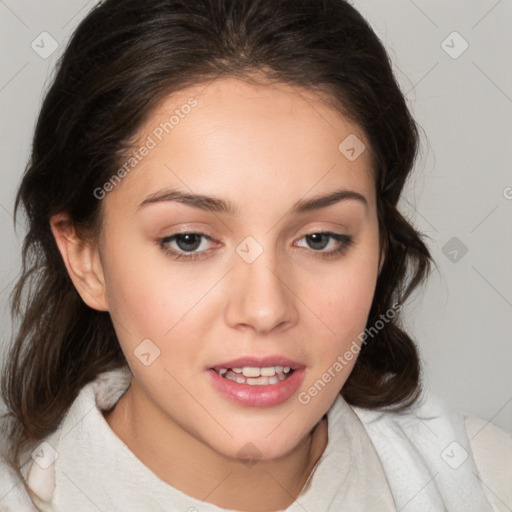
[(266, 395)]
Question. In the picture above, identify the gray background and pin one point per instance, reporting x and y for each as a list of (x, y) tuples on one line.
[(460, 195)]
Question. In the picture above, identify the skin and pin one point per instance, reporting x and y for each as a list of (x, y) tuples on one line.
[(262, 147)]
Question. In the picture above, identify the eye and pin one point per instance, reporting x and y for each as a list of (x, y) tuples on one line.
[(321, 240), (187, 244)]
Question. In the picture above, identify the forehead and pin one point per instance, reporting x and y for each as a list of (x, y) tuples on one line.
[(230, 137)]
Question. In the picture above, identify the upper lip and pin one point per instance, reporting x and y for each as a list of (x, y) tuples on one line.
[(259, 362)]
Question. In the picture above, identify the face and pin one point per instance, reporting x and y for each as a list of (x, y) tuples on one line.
[(261, 276)]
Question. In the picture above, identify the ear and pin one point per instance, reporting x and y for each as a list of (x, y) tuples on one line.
[(82, 262)]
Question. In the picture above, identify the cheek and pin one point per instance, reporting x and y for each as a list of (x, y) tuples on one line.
[(156, 300), (343, 301), (343, 304), (139, 295), (344, 298)]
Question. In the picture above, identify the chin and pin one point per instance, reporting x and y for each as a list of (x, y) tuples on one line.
[(264, 445)]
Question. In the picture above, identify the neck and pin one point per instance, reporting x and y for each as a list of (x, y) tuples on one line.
[(184, 462)]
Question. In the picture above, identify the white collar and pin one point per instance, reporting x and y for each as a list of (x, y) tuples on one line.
[(373, 461)]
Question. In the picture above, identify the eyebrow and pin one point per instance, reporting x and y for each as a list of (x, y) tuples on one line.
[(217, 205)]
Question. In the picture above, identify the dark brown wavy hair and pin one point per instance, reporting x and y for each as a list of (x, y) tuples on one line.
[(126, 57)]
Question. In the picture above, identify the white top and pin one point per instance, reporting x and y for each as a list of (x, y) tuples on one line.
[(426, 460)]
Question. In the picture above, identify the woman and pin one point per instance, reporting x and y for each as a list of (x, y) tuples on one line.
[(214, 272)]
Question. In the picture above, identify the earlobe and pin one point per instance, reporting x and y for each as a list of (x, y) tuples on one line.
[(82, 262)]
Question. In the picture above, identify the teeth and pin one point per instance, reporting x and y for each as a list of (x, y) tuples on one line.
[(267, 371), (249, 371), (259, 381), (255, 376)]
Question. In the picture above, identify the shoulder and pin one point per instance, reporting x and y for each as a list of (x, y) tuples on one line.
[(492, 450), (39, 466), (21, 491), (431, 440)]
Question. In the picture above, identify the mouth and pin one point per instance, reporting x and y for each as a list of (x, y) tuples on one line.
[(256, 371), (258, 382), (256, 376)]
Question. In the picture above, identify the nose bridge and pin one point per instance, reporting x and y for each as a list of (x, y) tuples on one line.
[(259, 296)]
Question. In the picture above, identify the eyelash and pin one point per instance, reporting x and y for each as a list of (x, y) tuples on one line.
[(346, 241)]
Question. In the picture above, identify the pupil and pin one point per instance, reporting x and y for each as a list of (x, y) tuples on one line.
[(188, 238)]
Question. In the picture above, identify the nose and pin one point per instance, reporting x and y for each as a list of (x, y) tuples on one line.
[(260, 297)]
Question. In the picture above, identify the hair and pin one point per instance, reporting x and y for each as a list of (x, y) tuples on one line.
[(122, 61)]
